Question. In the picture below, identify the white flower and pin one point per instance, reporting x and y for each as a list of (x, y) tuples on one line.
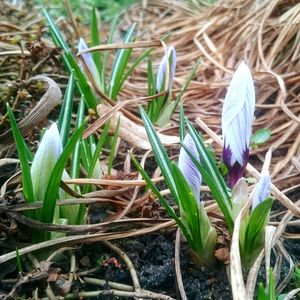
[(188, 168), (88, 59), (161, 74), (237, 119), (44, 161), (262, 189)]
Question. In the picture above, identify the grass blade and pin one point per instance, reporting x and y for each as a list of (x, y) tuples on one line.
[(160, 155), (119, 65), (23, 153), (70, 62), (65, 116), (113, 147)]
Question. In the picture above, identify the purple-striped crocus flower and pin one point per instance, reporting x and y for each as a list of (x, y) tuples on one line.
[(88, 59), (262, 189), (188, 168), (161, 74), (237, 119)]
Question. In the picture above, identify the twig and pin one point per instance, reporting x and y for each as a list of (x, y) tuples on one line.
[(178, 268), (128, 263)]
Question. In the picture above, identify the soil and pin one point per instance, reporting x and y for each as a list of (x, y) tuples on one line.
[(153, 259)]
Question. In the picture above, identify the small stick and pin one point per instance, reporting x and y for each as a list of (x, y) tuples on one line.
[(128, 263), (177, 267)]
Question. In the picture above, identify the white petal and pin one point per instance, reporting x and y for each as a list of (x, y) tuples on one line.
[(188, 168), (161, 73), (238, 113), (44, 161), (262, 189), (88, 59)]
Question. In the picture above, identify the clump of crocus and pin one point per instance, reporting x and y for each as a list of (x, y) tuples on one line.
[(202, 252), (88, 60), (237, 119), (42, 167), (162, 71), (252, 232)]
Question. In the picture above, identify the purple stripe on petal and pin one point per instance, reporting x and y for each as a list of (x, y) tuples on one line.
[(188, 168)]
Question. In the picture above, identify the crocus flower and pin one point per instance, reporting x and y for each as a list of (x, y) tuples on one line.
[(262, 189), (88, 59), (44, 161), (161, 74), (237, 119), (188, 168)]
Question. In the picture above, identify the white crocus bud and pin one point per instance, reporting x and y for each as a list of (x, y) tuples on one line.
[(188, 168), (237, 119), (44, 161), (161, 74)]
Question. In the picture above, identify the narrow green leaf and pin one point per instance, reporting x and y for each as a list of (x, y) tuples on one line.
[(65, 116), (181, 123), (135, 64), (186, 83), (54, 182), (19, 263), (23, 153), (113, 147), (160, 155), (76, 153), (258, 219), (106, 53), (119, 65), (208, 163), (95, 39), (70, 62), (161, 199)]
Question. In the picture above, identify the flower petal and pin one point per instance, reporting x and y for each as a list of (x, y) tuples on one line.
[(262, 189), (188, 168), (88, 59), (44, 161), (238, 113), (161, 74)]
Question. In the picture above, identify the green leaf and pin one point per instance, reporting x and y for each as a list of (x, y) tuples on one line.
[(211, 175), (71, 63), (23, 153), (257, 221), (138, 60), (76, 153), (19, 263), (95, 40), (270, 292), (181, 123), (186, 83), (160, 155), (54, 182), (113, 147), (65, 116), (106, 53), (260, 136), (119, 65), (162, 200)]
